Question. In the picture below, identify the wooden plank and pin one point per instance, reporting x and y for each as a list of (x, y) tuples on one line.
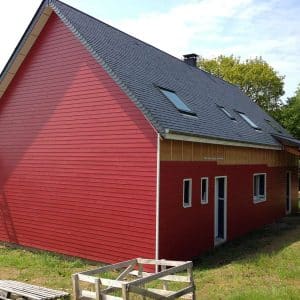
[(5, 82), (98, 289), (191, 278), (4, 294), (25, 49), (92, 295), (161, 274), (187, 296), (181, 292), (33, 290), (177, 150), (112, 282), (222, 154), (16, 64), (76, 288), (165, 285), (34, 294), (293, 150), (120, 277), (110, 267), (125, 272), (28, 44), (166, 150), (125, 292), (42, 21), (175, 278), (187, 151), (161, 262), (21, 293), (140, 274), (88, 294), (160, 292), (86, 278), (110, 297)]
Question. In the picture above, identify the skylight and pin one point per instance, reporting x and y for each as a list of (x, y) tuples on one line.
[(227, 113), (249, 121), (179, 104)]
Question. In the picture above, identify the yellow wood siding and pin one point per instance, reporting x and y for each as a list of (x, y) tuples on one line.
[(171, 150)]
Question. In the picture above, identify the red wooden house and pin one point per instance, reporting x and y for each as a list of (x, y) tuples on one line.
[(112, 149)]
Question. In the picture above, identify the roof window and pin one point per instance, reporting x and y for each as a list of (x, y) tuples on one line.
[(177, 102), (227, 113), (249, 121)]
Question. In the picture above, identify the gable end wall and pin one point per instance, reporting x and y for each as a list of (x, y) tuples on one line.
[(78, 159)]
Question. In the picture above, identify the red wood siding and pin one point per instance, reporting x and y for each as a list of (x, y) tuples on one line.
[(188, 232), (78, 159)]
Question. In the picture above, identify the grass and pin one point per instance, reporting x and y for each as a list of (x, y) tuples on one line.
[(264, 264)]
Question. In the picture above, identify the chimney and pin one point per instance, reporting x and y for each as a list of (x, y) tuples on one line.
[(191, 59)]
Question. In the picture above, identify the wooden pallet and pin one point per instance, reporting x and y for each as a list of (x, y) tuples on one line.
[(130, 278), (10, 289)]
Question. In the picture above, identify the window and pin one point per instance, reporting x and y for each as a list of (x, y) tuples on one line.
[(259, 187), (204, 190), (187, 192), (179, 104), (227, 113), (249, 121)]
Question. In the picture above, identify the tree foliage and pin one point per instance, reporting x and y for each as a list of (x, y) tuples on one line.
[(254, 76), (289, 114)]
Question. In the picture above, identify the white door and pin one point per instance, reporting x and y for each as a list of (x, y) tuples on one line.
[(220, 209)]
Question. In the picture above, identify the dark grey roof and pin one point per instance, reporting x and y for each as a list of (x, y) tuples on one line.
[(287, 141), (140, 69)]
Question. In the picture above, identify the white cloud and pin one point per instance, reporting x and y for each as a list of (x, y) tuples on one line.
[(175, 30)]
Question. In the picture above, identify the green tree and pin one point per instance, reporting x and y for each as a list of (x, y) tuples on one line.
[(254, 76), (289, 115)]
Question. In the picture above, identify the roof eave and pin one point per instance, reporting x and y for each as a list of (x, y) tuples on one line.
[(179, 136), (26, 42)]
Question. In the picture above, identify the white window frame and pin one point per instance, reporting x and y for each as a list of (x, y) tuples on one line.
[(227, 113), (249, 121), (190, 193), (204, 201), (260, 199)]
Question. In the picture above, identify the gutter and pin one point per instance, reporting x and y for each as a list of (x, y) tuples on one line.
[(188, 137)]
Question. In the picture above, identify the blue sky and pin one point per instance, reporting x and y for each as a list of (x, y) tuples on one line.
[(245, 28)]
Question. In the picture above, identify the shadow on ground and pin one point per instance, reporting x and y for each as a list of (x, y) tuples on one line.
[(268, 240)]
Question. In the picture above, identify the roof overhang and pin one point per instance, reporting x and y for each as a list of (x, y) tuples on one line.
[(27, 41), (290, 145), (171, 135)]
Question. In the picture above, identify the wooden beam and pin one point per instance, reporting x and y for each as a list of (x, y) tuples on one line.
[(292, 150), (24, 50), (161, 262), (161, 274), (76, 288), (117, 266)]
